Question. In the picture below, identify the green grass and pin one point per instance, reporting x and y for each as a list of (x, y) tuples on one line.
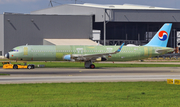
[(117, 94), (1, 74), (81, 65)]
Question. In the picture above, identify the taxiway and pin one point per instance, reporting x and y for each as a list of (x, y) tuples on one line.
[(56, 75)]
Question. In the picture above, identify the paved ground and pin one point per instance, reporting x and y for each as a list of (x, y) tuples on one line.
[(49, 75), (137, 62)]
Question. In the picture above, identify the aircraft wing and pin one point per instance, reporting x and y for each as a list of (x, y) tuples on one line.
[(94, 56), (164, 50)]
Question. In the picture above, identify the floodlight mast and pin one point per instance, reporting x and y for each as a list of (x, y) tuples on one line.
[(104, 27), (109, 16)]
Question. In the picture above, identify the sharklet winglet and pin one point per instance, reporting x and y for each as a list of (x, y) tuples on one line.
[(119, 49)]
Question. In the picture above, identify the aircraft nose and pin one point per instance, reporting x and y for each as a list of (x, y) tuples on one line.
[(7, 55)]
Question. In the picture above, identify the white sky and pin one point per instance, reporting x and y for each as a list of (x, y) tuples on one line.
[(26, 6)]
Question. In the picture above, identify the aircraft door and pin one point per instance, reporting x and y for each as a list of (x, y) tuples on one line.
[(26, 53), (25, 50), (145, 51)]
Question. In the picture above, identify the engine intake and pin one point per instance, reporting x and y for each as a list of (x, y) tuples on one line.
[(67, 57)]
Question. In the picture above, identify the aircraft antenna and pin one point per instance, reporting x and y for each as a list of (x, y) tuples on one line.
[(98, 43)]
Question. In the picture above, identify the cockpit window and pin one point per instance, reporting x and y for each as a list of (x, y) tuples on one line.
[(14, 50)]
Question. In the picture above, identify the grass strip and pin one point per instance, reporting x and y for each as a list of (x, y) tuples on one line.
[(98, 65), (110, 94), (1, 74)]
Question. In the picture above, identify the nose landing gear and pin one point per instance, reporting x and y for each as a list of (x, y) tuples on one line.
[(30, 67)]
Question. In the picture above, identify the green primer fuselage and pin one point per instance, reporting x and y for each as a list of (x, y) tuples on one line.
[(56, 53)]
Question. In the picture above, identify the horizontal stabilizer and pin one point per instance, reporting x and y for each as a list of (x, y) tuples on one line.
[(164, 50)]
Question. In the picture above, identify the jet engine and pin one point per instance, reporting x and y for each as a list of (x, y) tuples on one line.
[(101, 59), (67, 57)]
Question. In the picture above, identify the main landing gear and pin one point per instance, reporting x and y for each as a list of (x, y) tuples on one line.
[(88, 64)]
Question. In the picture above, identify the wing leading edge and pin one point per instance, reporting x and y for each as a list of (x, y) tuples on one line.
[(95, 56)]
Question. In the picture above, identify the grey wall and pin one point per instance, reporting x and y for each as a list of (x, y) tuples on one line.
[(32, 29), (146, 15), (1, 34)]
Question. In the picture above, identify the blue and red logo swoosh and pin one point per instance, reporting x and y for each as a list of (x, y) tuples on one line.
[(163, 35)]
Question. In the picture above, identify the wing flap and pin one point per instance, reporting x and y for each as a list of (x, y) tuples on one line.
[(94, 56)]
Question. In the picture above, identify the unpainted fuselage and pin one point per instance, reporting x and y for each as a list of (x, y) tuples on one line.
[(56, 53)]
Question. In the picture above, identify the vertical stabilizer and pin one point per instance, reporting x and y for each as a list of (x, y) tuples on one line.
[(161, 37)]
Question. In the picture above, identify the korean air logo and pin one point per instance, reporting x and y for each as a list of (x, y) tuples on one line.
[(163, 35)]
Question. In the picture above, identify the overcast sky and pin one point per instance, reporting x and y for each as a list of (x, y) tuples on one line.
[(26, 6)]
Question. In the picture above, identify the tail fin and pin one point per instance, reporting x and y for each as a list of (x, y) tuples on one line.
[(161, 37)]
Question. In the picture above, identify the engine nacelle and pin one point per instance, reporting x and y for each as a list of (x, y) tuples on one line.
[(101, 59), (67, 57)]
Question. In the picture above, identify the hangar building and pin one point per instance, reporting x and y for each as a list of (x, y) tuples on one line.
[(114, 24)]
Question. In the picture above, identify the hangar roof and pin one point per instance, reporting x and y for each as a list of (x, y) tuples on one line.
[(66, 7), (116, 13), (124, 6)]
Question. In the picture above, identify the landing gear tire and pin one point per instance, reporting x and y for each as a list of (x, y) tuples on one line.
[(32, 66), (92, 66), (29, 67), (15, 67), (88, 64)]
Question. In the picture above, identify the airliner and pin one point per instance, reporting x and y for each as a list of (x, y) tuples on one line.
[(91, 54)]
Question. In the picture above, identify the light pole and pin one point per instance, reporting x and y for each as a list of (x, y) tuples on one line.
[(174, 37), (104, 27)]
